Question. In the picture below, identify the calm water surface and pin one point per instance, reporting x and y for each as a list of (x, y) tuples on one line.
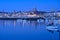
[(26, 30)]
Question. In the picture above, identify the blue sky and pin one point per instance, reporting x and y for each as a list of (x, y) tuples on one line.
[(24, 5)]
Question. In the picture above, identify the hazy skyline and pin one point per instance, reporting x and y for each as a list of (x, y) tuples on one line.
[(24, 5)]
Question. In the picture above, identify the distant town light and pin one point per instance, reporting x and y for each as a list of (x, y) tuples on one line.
[(32, 15)]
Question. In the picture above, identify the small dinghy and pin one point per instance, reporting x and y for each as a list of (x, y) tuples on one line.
[(52, 28)]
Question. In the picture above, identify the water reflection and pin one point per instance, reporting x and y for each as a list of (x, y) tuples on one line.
[(22, 23)]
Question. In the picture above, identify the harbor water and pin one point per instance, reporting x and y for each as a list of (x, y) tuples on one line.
[(28, 30)]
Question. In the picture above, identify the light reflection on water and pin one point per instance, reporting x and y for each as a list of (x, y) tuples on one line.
[(26, 30)]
